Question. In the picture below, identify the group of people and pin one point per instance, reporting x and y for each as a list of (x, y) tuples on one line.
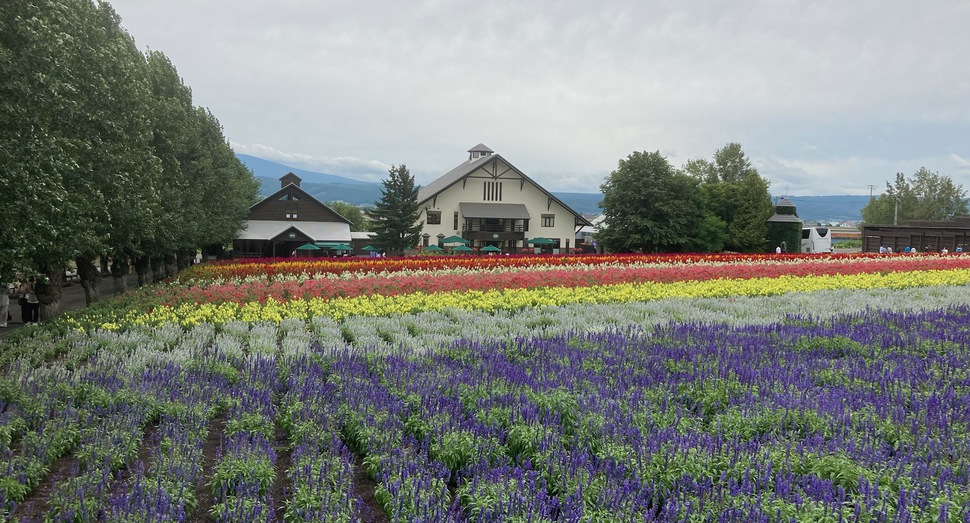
[(26, 298), (884, 249)]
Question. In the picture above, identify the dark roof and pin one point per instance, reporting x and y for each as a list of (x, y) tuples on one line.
[(480, 148), (785, 218), (292, 187)]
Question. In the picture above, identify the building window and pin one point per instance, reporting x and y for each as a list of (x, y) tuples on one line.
[(548, 220), (492, 192), (434, 218), (291, 215), (456, 220)]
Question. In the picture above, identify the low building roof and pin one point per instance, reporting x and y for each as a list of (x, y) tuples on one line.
[(318, 231)]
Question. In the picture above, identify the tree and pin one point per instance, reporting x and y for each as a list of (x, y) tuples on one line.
[(74, 138), (649, 206), (102, 152), (925, 196), (358, 222), (118, 174), (737, 195), (396, 226)]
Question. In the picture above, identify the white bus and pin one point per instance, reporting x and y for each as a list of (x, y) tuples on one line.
[(816, 239)]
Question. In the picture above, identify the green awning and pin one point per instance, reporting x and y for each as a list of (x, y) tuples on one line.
[(542, 241), (454, 239)]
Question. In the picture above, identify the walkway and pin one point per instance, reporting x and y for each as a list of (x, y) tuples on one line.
[(72, 298)]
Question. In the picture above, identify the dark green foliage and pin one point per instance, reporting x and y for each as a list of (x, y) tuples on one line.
[(353, 214), (101, 150), (396, 226), (650, 206), (924, 196), (736, 194)]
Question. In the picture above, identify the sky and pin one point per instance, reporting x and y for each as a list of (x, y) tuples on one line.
[(825, 97)]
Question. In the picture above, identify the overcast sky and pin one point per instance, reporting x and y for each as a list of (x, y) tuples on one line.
[(825, 97)]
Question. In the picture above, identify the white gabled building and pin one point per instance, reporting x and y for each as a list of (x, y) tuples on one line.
[(488, 201)]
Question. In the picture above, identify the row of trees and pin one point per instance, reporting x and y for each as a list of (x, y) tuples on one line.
[(707, 206), (925, 195), (103, 154)]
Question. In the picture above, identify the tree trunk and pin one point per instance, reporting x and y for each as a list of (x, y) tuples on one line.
[(49, 292), (158, 269), (90, 278), (119, 271), (171, 265), (143, 265), (183, 260)]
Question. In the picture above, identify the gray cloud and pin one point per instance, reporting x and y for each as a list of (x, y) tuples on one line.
[(829, 96)]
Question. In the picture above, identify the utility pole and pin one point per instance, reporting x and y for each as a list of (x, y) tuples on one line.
[(871, 187), (896, 211)]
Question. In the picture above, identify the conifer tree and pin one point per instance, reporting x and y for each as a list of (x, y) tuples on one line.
[(396, 226)]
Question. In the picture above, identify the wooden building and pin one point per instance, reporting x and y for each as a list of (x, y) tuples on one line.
[(924, 235), (286, 219)]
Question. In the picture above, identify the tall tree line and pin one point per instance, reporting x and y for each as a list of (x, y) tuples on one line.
[(925, 195), (707, 206), (102, 153)]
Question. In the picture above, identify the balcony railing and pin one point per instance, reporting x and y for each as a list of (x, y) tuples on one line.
[(493, 227)]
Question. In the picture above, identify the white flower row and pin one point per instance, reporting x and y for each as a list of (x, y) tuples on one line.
[(144, 347)]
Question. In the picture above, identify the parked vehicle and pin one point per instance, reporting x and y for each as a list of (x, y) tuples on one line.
[(816, 239)]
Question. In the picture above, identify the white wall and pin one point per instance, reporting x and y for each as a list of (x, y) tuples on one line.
[(513, 191)]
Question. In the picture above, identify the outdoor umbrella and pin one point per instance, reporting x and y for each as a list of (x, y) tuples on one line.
[(454, 239), (370, 248), (308, 247), (491, 248), (341, 247), (433, 248), (462, 248), (541, 241)]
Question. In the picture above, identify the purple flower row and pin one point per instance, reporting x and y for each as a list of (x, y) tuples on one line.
[(245, 470), (322, 472)]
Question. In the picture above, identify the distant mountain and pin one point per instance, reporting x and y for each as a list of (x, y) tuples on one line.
[(834, 208), (329, 187), (361, 193), (581, 202), (269, 169)]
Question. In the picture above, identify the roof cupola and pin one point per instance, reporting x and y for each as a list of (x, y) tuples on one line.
[(478, 152)]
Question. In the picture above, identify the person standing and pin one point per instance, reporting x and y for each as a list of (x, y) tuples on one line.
[(30, 307), (4, 305)]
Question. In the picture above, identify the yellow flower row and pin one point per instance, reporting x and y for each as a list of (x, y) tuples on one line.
[(513, 299)]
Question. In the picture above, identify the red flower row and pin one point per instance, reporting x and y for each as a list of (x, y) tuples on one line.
[(746, 267)]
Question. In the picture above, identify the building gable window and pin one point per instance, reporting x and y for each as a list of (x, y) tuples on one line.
[(434, 218), (548, 220), (492, 192)]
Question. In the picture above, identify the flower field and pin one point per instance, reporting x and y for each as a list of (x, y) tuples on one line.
[(502, 389)]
